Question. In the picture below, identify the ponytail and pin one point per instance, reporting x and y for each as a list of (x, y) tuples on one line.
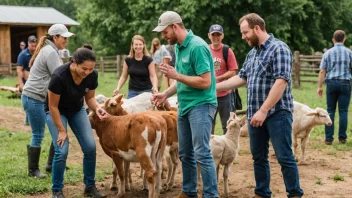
[(40, 45)]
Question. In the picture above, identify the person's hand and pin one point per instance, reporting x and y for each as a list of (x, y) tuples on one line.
[(320, 92), (21, 87), (258, 118), (158, 99), (102, 114), (155, 90), (116, 91), (61, 138), (168, 71)]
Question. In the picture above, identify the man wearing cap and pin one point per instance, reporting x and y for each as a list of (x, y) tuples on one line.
[(22, 67), (224, 69), (195, 86), (23, 61), (22, 45)]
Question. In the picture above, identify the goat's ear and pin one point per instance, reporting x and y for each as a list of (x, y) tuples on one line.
[(243, 120), (232, 115), (313, 113)]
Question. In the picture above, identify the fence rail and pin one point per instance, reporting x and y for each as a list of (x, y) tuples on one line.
[(305, 66)]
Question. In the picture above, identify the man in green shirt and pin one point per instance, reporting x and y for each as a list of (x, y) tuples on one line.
[(195, 86)]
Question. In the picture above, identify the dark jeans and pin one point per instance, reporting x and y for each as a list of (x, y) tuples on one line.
[(224, 108), (278, 128), (134, 93), (81, 128), (337, 92)]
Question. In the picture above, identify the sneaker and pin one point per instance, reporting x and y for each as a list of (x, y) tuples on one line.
[(58, 194), (327, 142), (342, 141), (93, 192)]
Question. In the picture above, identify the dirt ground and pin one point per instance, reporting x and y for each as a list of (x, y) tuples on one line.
[(320, 167)]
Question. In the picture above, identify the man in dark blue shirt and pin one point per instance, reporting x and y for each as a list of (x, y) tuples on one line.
[(23, 64), (23, 60)]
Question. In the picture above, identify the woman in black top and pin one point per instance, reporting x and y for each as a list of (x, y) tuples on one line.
[(68, 85), (140, 66)]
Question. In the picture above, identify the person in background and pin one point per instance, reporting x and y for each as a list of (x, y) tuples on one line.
[(195, 79), (22, 67), (22, 45), (43, 63), (70, 84), (171, 49), (140, 67), (158, 52), (224, 69), (267, 72), (335, 69)]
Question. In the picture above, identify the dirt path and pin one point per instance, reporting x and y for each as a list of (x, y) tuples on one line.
[(320, 167)]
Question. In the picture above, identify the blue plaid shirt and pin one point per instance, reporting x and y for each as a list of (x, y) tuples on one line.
[(337, 62), (263, 65)]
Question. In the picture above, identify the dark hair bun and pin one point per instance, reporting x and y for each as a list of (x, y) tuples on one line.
[(88, 46)]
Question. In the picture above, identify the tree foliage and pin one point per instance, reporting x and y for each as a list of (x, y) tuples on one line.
[(305, 25)]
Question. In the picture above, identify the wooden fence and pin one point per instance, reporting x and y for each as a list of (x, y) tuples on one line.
[(305, 68)]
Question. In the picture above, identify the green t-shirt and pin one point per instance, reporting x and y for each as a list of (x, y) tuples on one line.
[(193, 58)]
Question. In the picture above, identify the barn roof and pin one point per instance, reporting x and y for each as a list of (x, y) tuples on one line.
[(23, 15)]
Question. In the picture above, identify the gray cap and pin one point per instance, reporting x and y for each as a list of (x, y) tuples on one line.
[(59, 29), (32, 38), (166, 19), (22, 43)]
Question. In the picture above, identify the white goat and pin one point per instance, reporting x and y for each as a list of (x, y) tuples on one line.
[(304, 120), (224, 148)]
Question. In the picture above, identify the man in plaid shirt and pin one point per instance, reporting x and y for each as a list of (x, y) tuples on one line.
[(267, 74), (335, 68)]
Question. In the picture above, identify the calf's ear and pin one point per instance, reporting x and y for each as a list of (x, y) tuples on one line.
[(243, 120)]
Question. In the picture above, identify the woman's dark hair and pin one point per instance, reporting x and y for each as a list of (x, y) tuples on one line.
[(84, 53)]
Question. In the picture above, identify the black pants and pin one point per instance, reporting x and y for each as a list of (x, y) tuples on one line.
[(224, 108)]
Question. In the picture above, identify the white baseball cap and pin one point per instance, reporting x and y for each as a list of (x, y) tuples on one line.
[(60, 29), (166, 19)]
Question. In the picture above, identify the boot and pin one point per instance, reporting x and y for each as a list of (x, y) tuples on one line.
[(33, 160), (93, 192), (183, 195), (50, 158)]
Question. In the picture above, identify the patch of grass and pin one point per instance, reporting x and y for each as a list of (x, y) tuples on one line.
[(13, 173), (319, 181), (244, 152), (338, 177)]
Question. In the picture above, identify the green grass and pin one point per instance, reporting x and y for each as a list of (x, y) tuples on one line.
[(13, 173)]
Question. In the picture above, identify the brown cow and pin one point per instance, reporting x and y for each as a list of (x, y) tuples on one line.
[(136, 137), (116, 107)]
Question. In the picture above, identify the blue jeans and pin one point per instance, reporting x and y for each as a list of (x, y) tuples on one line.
[(337, 91), (35, 111), (193, 140), (224, 108), (278, 128), (133, 93), (81, 127)]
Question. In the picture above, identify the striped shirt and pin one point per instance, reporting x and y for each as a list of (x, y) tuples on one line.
[(337, 62), (263, 65)]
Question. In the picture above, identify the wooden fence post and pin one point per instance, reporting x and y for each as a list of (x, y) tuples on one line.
[(102, 66), (296, 66), (118, 66), (10, 68)]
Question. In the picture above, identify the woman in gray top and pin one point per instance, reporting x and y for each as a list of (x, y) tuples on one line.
[(43, 63), (158, 51)]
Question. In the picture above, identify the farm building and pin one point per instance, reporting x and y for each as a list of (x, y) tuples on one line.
[(17, 23)]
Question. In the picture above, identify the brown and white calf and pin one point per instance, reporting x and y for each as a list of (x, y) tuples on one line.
[(116, 107), (136, 137)]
